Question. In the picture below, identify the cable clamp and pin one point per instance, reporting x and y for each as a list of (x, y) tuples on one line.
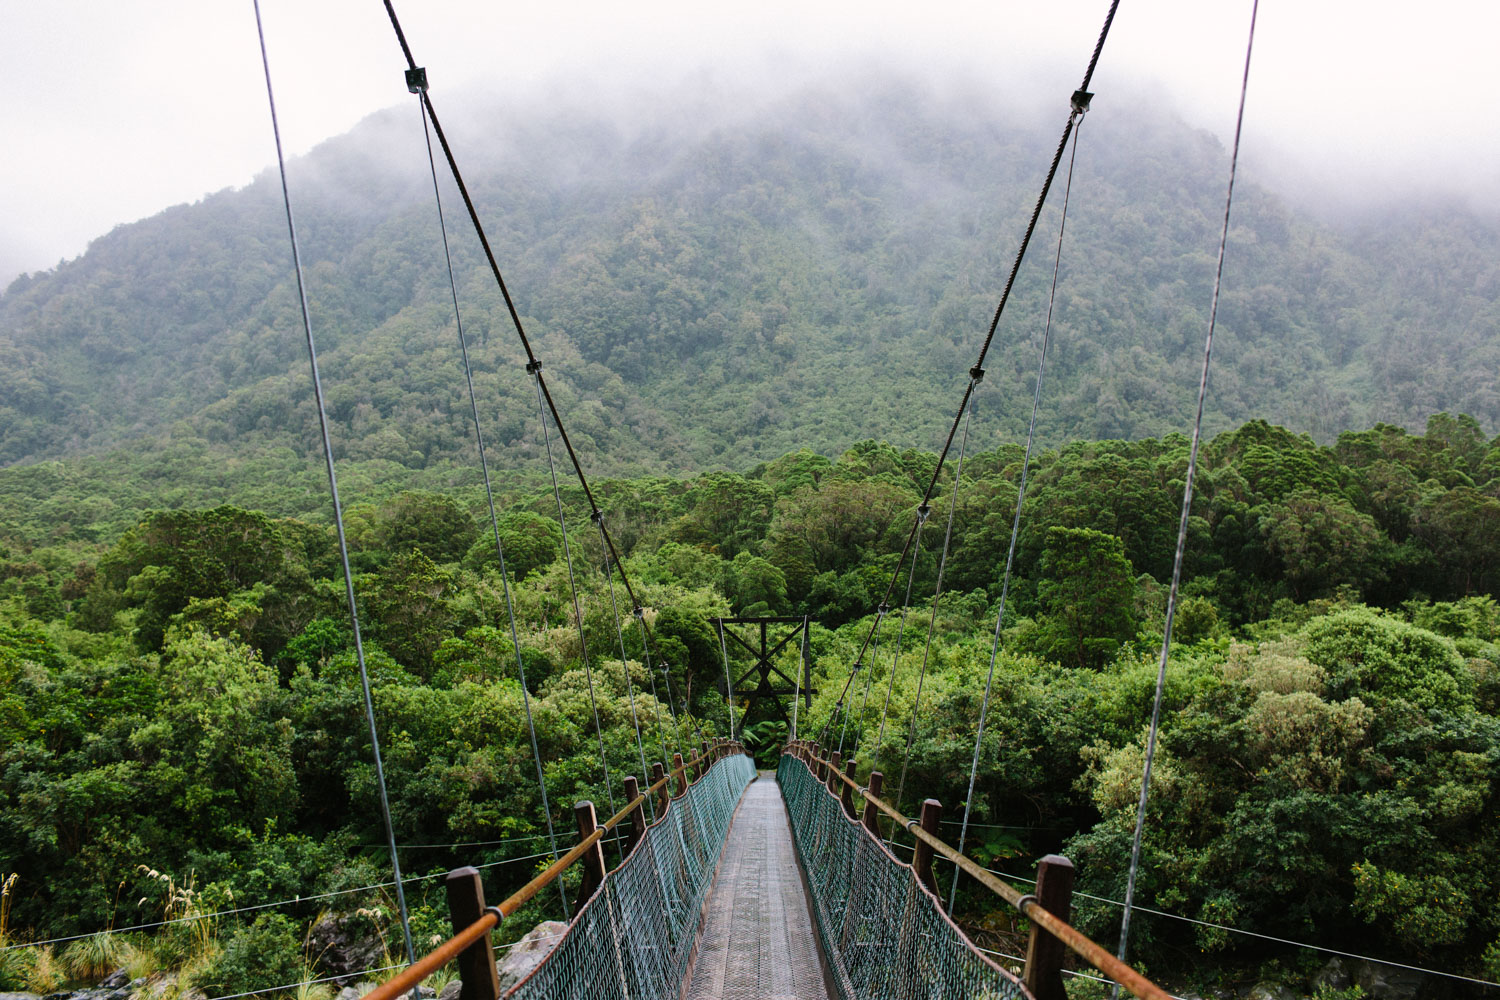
[(923, 513), (1026, 901), (976, 374), (597, 517), (416, 79), (532, 367), (884, 610), (911, 825), (1080, 101), (499, 914), (640, 612)]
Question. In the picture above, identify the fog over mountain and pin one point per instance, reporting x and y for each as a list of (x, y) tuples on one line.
[(719, 278)]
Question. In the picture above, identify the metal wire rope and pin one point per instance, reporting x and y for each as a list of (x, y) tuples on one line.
[(333, 486), (583, 643), (728, 680), (635, 720), (977, 372), (911, 729), (419, 88), (1015, 524), (1187, 503)]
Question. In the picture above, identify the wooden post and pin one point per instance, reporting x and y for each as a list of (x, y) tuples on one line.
[(877, 781), (1044, 953), (814, 764), (663, 794), (592, 859), (932, 813), (476, 963), (848, 797), (637, 828), (834, 767), (702, 758), (680, 773)]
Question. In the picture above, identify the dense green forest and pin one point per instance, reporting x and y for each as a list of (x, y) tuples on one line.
[(181, 729), (712, 293)]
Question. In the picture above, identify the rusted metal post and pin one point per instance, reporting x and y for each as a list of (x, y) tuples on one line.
[(662, 793), (877, 781), (932, 814), (592, 859), (476, 963), (680, 773), (848, 797), (637, 828), (1045, 953)]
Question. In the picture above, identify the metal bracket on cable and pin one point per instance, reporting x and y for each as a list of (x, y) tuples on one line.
[(976, 374), (924, 512), (883, 610), (416, 80), (597, 517), (532, 367), (1080, 100), (640, 612)]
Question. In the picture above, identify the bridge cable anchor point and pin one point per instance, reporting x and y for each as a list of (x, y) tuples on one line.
[(416, 79)]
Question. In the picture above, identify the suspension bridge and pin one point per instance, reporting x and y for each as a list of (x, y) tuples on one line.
[(749, 884)]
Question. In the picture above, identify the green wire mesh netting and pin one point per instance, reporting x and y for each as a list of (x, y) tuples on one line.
[(634, 936), (883, 934)]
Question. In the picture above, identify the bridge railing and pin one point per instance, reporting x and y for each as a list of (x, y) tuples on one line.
[(882, 927), (656, 893)]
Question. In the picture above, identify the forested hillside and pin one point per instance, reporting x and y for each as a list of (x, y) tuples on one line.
[(179, 708), (807, 274)]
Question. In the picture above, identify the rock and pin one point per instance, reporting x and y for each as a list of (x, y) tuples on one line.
[(1270, 991), (1334, 975), (527, 953), (452, 990), (350, 993), (19, 996), (1387, 982), (343, 946), (115, 980)]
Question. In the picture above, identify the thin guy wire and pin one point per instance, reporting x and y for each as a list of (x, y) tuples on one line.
[(901, 631), (978, 369), (1187, 503), (801, 671), (1015, 524), (489, 495), (864, 704), (583, 645), (614, 606), (728, 680), (333, 485), (911, 730)]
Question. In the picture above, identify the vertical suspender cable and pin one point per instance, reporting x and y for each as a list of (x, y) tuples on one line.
[(911, 729), (635, 719), (418, 86), (864, 702), (583, 643), (1015, 524), (728, 681), (1187, 503), (801, 672), (333, 486)]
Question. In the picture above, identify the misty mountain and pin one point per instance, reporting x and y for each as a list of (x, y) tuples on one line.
[(716, 290)]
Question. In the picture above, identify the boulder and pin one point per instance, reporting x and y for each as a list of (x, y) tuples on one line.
[(1387, 982), (344, 946), (115, 980), (1270, 991), (1334, 975), (526, 954), (20, 996)]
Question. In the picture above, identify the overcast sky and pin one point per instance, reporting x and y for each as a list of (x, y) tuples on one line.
[(116, 109)]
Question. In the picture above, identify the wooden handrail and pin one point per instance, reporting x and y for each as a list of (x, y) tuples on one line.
[(449, 950), (1028, 906)]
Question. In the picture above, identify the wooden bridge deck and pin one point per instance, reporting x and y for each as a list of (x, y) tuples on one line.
[(758, 941)]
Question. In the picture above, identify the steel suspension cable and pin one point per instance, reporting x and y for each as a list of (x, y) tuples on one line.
[(801, 673), (864, 704), (1015, 524), (583, 643), (1187, 503), (923, 513), (728, 680), (333, 487), (911, 729), (635, 721), (1080, 100), (489, 492)]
